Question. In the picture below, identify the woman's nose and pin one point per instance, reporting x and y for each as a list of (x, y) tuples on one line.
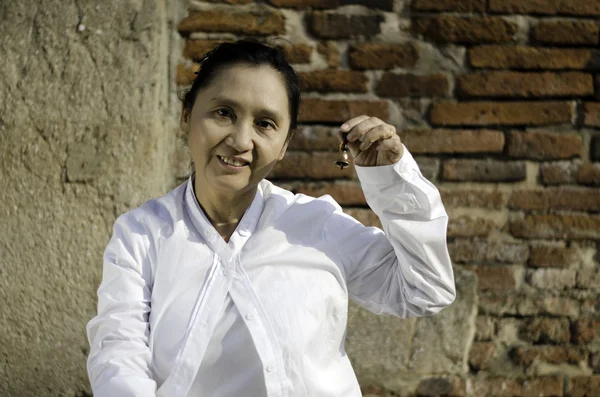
[(240, 138)]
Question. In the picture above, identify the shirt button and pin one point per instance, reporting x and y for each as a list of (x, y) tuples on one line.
[(225, 272), (250, 317), (270, 368)]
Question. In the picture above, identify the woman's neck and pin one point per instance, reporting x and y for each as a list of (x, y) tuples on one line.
[(224, 211)]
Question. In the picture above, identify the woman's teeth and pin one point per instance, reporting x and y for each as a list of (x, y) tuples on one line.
[(232, 161)]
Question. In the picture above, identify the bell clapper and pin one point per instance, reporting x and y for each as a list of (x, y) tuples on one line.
[(343, 160)]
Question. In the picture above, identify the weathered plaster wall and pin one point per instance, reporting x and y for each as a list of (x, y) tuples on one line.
[(83, 136)]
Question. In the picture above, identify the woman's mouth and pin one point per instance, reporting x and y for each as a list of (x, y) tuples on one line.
[(232, 161)]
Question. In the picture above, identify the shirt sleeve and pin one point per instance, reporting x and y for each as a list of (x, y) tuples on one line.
[(404, 270), (119, 359)]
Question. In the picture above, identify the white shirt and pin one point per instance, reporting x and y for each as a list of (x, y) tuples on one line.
[(171, 285)]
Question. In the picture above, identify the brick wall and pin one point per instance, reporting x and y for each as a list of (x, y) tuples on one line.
[(499, 101)]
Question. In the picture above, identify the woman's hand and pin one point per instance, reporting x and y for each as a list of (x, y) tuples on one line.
[(372, 142)]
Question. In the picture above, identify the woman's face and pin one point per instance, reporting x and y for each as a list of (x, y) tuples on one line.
[(238, 128)]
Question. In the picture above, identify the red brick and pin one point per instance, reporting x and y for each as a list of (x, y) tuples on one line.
[(372, 390), (329, 80), (586, 331), (557, 226), (559, 172), (387, 5), (247, 23), (552, 279), (382, 55), (550, 354), (467, 226), (500, 304), (551, 256), (410, 85), (364, 216), (442, 386), (501, 113), (428, 166), (550, 305), (344, 192), (583, 386), (472, 198), (523, 57), (543, 386), (588, 279), (483, 251), (525, 84), (495, 278), (480, 355), (556, 199), (316, 138), (449, 5), (566, 32), (341, 26), (185, 74), (314, 165), (453, 141), (539, 145), (298, 53), (483, 170), (545, 330), (485, 328), (465, 30), (196, 49), (589, 174), (314, 110), (331, 53), (584, 8), (592, 114)]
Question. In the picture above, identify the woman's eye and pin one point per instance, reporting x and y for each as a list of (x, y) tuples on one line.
[(223, 112), (265, 124)]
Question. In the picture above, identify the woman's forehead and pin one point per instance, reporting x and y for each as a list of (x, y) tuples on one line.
[(251, 84)]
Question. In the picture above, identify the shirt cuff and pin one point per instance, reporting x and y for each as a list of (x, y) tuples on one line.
[(387, 174)]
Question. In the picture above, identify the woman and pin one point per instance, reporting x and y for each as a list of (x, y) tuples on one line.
[(231, 286)]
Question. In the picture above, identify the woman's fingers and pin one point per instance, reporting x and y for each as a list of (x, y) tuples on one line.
[(361, 128), (378, 133), (350, 124)]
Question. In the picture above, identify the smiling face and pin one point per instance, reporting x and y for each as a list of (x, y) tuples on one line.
[(238, 128)]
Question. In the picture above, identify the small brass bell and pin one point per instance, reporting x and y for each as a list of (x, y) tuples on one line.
[(342, 160)]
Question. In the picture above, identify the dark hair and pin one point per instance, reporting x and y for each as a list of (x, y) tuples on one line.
[(248, 52)]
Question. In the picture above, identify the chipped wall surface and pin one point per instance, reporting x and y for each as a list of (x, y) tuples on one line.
[(83, 136)]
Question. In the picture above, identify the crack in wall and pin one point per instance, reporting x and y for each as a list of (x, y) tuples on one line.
[(29, 34), (81, 16)]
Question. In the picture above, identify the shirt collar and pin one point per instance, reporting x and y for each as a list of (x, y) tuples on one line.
[(244, 230)]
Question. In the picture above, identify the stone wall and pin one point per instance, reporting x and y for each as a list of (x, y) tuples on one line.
[(497, 99)]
